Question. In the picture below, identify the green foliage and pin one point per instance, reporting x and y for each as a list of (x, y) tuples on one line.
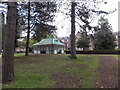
[(32, 41), (43, 31), (19, 26), (41, 15), (87, 12), (52, 36), (83, 43), (21, 44), (104, 38)]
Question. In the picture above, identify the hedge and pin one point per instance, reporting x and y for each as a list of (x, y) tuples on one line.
[(96, 52)]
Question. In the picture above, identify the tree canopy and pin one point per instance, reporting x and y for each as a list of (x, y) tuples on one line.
[(104, 38), (83, 42)]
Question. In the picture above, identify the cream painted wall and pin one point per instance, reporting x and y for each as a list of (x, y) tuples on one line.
[(56, 49)]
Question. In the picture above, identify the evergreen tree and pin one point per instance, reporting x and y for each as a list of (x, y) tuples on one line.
[(104, 38), (40, 16)]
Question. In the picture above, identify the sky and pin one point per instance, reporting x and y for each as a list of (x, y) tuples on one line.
[(63, 24)]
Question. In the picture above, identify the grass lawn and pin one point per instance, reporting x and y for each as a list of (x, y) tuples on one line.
[(20, 54), (0, 57), (116, 57), (47, 71)]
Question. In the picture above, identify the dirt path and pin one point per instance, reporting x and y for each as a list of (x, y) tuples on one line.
[(107, 72)]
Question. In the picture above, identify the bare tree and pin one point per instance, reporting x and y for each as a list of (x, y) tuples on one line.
[(9, 40)]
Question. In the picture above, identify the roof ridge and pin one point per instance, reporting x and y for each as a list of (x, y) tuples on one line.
[(49, 41)]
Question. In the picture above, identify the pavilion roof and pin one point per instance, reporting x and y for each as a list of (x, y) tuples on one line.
[(49, 41)]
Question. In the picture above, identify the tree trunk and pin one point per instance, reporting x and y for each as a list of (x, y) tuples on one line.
[(8, 48), (73, 50), (83, 49), (118, 41), (28, 32), (1, 31), (119, 25), (85, 31)]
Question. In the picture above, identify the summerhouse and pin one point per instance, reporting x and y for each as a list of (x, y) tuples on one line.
[(49, 46)]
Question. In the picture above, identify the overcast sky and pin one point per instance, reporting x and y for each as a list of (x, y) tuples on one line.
[(63, 24)]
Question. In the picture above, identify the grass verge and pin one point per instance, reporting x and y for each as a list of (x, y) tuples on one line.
[(36, 71)]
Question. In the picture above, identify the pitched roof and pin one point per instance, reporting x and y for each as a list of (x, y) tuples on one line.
[(49, 41)]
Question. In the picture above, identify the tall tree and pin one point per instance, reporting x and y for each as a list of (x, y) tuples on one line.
[(87, 12), (42, 31), (73, 50), (83, 12), (41, 16), (104, 38), (44, 15), (28, 32), (9, 40)]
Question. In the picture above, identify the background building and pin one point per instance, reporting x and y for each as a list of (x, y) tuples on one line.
[(117, 35)]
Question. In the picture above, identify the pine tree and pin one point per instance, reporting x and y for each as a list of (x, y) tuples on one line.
[(104, 38)]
